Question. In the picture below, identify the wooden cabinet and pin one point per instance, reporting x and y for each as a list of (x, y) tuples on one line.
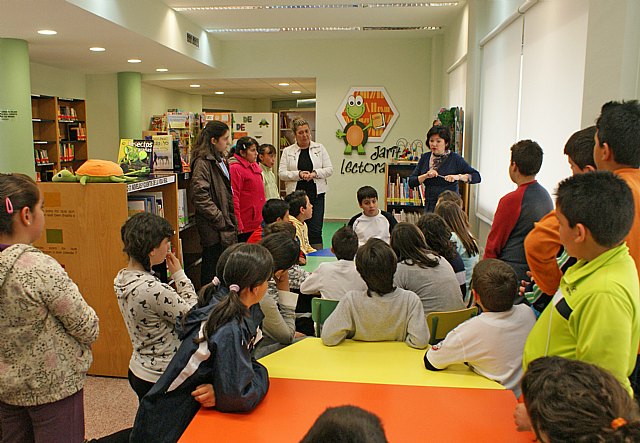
[(59, 134), (82, 232)]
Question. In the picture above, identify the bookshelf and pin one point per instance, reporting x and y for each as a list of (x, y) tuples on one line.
[(59, 134), (82, 232), (404, 203)]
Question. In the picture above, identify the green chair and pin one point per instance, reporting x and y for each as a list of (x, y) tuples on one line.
[(440, 323), (321, 309)]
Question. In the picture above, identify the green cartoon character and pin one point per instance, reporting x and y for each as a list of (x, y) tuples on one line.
[(355, 133)]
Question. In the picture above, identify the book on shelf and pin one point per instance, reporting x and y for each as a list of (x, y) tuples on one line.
[(67, 113), (183, 212), (146, 202), (399, 192), (162, 153), (67, 152), (76, 132), (136, 156)]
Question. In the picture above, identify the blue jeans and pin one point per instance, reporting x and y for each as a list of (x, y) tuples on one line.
[(315, 222)]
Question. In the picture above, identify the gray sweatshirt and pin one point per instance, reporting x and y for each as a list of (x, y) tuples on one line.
[(396, 316), (437, 287)]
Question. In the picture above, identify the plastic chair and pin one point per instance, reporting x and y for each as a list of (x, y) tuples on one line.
[(440, 323), (321, 309)]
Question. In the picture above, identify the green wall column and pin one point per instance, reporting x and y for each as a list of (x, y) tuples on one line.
[(130, 104), (16, 130)]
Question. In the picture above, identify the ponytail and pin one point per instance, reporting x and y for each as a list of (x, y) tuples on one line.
[(247, 266)]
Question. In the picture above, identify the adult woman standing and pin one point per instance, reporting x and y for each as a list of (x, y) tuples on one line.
[(305, 165), (46, 327), (440, 169), (212, 196), (248, 190), (267, 158)]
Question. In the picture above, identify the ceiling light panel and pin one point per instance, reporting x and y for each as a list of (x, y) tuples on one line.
[(328, 29), (312, 6)]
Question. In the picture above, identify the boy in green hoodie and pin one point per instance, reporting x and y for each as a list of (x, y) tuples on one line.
[(596, 316)]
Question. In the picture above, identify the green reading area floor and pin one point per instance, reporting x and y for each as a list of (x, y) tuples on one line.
[(328, 229)]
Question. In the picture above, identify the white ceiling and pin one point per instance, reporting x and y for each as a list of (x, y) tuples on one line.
[(78, 30)]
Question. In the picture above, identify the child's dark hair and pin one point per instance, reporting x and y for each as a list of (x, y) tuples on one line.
[(409, 245), (619, 127), (280, 226), (496, 284), (208, 291), (527, 155), (142, 233), (579, 147), (457, 220), (440, 131), (448, 195), (273, 209), (573, 401), (284, 250), (601, 201), (437, 235), (366, 192), (345, 243), (248, 266), (346, 424), (17, 191), (242, 144), (265, 148), (296, 200), (213, 129), (376, 263)]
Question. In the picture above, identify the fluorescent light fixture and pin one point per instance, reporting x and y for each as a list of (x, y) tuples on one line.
[(161, 69), (194, 86), (96, 49), (219, 92), (47, 32), (296, 92), (283, 84), (134, 60), (316, 6), (328, 29)]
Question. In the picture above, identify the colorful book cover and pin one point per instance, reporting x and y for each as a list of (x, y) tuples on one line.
[(135, 156), (162, 153)]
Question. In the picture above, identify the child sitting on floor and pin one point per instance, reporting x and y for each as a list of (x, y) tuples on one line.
[(334, 279), (382, 312), (569, 401), (492, 342), (216, 350)]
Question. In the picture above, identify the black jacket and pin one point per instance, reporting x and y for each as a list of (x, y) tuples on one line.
[(239, 382)]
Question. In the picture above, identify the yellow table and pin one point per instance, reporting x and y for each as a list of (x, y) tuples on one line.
[(367, 362)]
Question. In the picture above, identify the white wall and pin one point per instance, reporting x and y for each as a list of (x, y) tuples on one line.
[(156, 100), (400, 65), (56, 82), (236, 104)]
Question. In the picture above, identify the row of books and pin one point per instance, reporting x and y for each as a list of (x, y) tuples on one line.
[(146, 202), (399, 192), (42, 156), (67, 113), (77, 132), (67, 152), (153, 202)]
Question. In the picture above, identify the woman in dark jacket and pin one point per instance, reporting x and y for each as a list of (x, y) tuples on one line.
[(440, 169), (212, 196)]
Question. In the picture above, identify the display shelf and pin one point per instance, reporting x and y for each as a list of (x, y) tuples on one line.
[(83, 234)]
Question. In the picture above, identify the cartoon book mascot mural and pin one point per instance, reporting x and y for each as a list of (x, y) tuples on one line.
[(364, 114)]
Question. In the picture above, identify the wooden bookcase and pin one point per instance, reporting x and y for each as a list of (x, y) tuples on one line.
[(59, 134), (405, 203), (82, 232)]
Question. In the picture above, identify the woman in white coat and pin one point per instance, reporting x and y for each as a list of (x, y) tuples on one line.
[(305, 165)]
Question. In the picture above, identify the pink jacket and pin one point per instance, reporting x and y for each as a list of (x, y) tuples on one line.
[(248, 193)]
